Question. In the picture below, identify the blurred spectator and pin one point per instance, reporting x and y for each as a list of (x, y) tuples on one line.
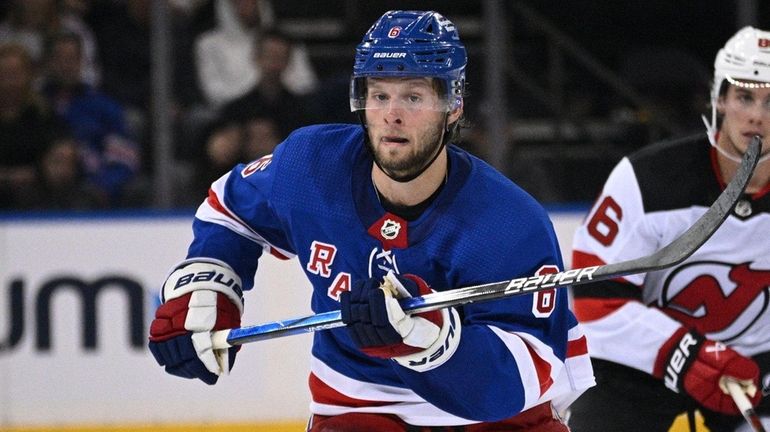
[(231, 144), (122, 31), (261, 135), (60, 183), (190, 18), (27, 125), (220, 154), (269, 95), (72, 20), (224, 55), (110, 157), (250, 126), (28, 23), (201, 14)]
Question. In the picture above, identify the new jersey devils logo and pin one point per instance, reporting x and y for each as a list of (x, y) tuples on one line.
[(719, 299)]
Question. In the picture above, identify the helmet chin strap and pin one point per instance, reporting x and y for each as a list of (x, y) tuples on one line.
[(711, 132), (409, 177)]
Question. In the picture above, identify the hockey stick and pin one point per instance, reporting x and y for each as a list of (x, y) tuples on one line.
[(671, 254), (744, 405)]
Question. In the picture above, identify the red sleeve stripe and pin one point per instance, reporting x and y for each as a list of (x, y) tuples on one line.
[(274, 252), (213, 202), (591, 309), (583, 259), (577, 347), (322, 393), (543, 369)]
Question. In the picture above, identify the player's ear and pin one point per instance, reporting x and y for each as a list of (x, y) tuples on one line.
[(456, 112), (721, 104)]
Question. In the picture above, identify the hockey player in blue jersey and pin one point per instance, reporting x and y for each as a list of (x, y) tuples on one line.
[(375, 212)]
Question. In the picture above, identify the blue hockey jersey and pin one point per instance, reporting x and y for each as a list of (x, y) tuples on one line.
[(314, 199)]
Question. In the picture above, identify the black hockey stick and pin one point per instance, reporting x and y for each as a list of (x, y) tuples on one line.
[(672, 254)]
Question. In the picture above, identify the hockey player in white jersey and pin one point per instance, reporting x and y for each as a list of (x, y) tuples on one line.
[(665, 342)]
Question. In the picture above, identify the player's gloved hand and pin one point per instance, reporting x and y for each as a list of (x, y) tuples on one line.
[(380, 328), (689, 362), (199, 296)]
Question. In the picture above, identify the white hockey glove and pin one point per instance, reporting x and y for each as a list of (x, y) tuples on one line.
[(199, 296)]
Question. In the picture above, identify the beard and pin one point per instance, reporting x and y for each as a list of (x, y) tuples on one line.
[(427, 145)]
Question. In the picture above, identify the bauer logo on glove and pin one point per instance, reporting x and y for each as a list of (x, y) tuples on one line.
[(209, 276), (199, 296), (691, 364)]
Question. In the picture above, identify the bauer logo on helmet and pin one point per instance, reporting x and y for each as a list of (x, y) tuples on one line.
[(396, 55), (394, 32)]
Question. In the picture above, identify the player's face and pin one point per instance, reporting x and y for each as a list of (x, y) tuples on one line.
[(405, 121), (746, 114)]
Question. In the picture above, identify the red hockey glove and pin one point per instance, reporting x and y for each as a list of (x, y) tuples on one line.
[(198, 297), (696, 365), (380, 328)]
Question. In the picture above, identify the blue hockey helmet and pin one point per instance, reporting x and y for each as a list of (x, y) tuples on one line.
[(411, 44)]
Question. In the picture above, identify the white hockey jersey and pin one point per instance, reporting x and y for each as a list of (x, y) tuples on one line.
[(721, 291)]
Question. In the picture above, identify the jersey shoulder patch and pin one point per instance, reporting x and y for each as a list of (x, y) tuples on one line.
[(260, 164)]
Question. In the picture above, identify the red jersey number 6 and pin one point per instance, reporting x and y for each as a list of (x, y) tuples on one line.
[(603, 226)]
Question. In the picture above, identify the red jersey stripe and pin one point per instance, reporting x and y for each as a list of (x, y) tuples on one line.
[(322, 393)]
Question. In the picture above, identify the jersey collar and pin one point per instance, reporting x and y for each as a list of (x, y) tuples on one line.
[(374, 217)]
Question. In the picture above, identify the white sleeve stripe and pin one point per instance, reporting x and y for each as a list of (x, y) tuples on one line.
[(569, 379), (575, 333), (527, 369), (576, 377), (545, 353), (359, 389), (404, 402), (225, 217), (577, 365)]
